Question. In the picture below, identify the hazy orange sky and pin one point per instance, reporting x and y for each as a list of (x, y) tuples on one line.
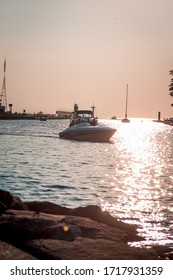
[(61, 52)]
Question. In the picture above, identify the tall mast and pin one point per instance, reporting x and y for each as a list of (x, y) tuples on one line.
[(126, 100), (3, 95), (126, 120)]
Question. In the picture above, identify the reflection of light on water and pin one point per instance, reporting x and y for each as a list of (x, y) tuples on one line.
[(139, 187)]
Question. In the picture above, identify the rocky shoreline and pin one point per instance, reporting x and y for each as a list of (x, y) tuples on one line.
[(45, 231)]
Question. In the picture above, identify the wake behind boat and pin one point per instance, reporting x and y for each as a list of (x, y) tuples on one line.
[(84, 127)]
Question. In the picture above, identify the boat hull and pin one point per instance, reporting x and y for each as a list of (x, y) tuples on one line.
[(88, 133), (125, 120)]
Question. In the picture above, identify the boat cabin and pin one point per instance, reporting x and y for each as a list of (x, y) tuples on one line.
[(83, 116)]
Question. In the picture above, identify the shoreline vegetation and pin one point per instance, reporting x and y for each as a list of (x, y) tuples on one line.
[(43, 230)]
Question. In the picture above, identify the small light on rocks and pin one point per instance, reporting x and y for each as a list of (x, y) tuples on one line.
[(65, 228)]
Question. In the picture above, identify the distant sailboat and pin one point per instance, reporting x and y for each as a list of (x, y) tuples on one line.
[(126, 120)]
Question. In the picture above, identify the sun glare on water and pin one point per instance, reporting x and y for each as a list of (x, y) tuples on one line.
[(139, 187)]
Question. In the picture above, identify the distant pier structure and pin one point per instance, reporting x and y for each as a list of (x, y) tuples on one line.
[(159, 116), (62, 114), (3, 94)]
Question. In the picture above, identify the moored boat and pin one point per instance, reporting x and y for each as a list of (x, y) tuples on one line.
[(43, 118)]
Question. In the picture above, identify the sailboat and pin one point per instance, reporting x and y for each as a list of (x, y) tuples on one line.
[(126, 120)]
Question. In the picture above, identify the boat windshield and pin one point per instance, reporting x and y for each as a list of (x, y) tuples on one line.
[(85, 114)]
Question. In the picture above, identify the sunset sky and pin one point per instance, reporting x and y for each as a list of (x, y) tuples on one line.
[(61, 52)]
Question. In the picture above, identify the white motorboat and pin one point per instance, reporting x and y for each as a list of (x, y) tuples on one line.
[(87, 132), (84, 127)]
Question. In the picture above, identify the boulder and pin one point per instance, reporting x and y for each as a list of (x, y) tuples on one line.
[(8, 201), (97, 214), (9, 252), (5, 200), (46, 207), (18, 204), (15, 229), (88, 249), (44, 230), (3, 208), (94, 230), (93, 212)]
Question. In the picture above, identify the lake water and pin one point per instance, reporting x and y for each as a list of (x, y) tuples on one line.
[(131, 177)]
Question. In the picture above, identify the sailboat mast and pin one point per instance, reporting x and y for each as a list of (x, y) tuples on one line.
[(3, 94), (126, 100), (126, 120)]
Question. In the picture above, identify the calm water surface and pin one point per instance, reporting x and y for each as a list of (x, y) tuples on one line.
[(131, 177)]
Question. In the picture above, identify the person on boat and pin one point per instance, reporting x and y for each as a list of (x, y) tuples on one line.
[(72, 119), (76, 107), (93, 122)]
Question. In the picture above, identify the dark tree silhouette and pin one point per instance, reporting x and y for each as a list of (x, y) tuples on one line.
[(171, 84)]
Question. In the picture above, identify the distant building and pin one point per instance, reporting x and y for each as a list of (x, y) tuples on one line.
[(63, 114)]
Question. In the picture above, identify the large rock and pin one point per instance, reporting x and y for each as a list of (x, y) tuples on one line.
[(46, 207), (94, 230), (93, 212), (44, 230), (5, 200), (88, 249), (17, 229), (97, 214), (9, 252), (18, 204)]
